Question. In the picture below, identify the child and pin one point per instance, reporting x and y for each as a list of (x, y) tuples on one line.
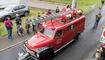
[(21, 31)]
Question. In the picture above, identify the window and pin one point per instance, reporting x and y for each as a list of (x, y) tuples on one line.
[(9, 8), (46, 32), (16, 8), (58, 33), (41, 29), (71, 27), (21, 7)]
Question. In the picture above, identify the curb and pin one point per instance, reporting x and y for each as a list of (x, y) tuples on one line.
[(11, 46)]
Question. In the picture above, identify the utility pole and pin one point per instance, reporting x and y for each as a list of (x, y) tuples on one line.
[(74, 4)]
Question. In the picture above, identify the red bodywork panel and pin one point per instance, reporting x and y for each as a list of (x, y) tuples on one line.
[(40, 40)]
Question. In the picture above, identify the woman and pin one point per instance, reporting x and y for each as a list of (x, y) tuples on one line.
[(9, 26)]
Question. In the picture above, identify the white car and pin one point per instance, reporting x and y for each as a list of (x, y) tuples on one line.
[(11, 11)]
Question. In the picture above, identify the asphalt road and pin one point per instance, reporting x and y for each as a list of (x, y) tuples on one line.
[(79, 50)]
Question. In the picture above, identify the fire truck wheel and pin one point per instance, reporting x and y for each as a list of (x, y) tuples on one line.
[(76, 37), (45, 53), (49, 55)]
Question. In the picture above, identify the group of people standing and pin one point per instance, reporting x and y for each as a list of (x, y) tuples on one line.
[(18, 22)]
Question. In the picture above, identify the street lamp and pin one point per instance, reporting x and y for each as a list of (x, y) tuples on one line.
[(74, 4)]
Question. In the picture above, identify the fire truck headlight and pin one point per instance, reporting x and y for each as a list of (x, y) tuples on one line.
[(36, 54)]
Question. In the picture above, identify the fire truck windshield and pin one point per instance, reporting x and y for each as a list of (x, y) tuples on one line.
[(47, 32)]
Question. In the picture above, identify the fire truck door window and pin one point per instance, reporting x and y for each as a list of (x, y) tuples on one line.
[(71, 27), (41, 29), (58, 33)]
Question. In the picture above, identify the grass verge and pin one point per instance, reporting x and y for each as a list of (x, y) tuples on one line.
[(2, 27), (83, 4)]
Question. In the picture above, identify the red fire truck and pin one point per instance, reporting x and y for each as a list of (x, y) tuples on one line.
[(54, 34)]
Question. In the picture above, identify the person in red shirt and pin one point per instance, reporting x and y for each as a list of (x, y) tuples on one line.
[(9, 25)]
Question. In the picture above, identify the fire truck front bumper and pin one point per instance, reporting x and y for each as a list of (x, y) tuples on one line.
[(26, 56)]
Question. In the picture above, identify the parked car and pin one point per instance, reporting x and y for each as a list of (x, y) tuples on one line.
[(11, 10), (2, 7)]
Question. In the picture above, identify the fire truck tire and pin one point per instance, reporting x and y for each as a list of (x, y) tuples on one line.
[(46, 53), (77, 37), (49, 55)]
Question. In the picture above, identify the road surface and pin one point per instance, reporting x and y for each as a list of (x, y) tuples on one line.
[(79, 50)]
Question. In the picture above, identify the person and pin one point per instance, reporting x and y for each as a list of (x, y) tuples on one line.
[(96, 22), (98, 54), (49, 12), (57, 9), (21, 31), (0, 30), (27, 26), (102, 2), (18, 22), (98, 17), (38, 16), (69, 7), (102, 54), (33, 24), (9, 26)]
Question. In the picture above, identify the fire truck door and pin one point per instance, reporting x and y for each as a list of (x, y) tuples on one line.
[(58, 39), (70, 32)]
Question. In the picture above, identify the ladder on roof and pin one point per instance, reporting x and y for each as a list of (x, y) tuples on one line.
[(51, 17)]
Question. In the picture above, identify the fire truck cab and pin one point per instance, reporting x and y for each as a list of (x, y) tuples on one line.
[(53, 35)]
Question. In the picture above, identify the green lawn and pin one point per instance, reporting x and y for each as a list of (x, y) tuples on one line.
[(83, 4), (2, 27)]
